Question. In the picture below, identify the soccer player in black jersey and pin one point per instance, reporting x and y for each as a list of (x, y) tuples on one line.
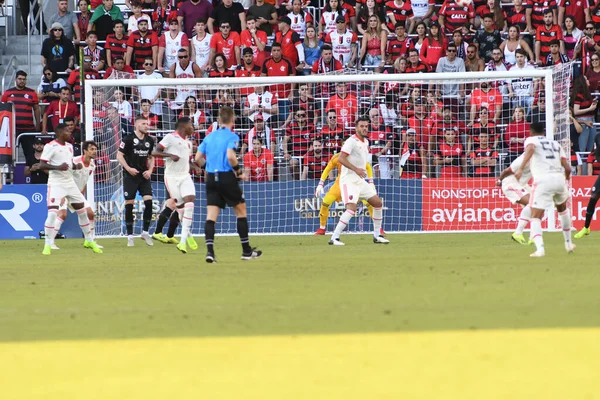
[(135, 156), (591, 207)]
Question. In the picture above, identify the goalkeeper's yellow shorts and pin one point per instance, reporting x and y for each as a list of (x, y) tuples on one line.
[(334, 194)]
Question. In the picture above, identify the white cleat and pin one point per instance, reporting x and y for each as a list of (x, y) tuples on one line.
[(570, 247), (130, 242), (537, 254), (146, 237), (380, 240), (336, 242), (54, 247)]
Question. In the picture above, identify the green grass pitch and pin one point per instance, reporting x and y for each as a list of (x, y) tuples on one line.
[(300, 285)]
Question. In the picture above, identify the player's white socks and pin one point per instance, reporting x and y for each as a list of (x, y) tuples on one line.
[(57, 225), (536, 234), (377, 219), (565, 221), (186, 221), (92, 229), (84, 224), (49, 226), (524, 219), (344, 220)]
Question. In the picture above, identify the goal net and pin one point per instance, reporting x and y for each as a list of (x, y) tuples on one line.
[(438, 143)]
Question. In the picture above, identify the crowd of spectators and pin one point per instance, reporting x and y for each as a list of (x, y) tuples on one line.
[(448, 129)]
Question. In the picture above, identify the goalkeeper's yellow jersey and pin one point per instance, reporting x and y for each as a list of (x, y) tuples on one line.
[(333, 163)]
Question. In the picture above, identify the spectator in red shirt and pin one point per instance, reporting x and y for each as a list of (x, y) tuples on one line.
[(450, 156), (116, 43), (332, 134), (260, 131), (255, 40), (291, 44), (545, 34), (433, 47), (276, 65), (75, 77), (258, 163), (488, 97), (484, 158), (118, 66), (227, 43), (314, 162), (345, 103), (297, 139), (414, 64), (516, 133), (59, 109)]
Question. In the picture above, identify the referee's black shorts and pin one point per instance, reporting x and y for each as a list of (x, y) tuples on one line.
[(223, 189), (134, 184)]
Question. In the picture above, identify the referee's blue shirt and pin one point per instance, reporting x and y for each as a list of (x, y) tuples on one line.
[(215, 146)]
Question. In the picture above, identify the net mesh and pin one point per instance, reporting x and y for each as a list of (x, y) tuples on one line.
[(437, 146)]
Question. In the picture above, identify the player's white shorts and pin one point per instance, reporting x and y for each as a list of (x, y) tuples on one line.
[(513, 190), (59, 192), (549, 191), (180, 187), (353, 192)]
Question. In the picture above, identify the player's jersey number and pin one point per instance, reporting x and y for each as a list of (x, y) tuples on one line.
[(551, 149)]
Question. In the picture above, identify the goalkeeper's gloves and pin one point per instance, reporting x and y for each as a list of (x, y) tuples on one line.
[(320, 189)]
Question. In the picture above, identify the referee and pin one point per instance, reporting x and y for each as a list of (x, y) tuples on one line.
[(135, 156), (217, 151)]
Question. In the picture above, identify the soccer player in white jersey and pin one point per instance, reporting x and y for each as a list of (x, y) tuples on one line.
[(87, 166), (57, 158), (551, 169), (177, 150), (353, 158), (517, 192)]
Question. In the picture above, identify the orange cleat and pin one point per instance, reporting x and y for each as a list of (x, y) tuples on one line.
[(320, 231)]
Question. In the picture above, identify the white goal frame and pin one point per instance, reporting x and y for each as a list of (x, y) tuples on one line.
[(546, 74)]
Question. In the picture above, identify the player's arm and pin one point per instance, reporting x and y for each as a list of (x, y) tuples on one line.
[(160, 152), (564, 161), (200, 158), (529, 150), (330, 166), (44, 166), (232, 158), (121, 158)]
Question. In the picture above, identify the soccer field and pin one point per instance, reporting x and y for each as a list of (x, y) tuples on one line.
[(428, 316)]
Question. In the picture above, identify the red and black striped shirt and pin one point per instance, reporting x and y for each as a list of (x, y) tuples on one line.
[(398, 48), (514, 17), (483, 154), (301, 137), (117, 47), (316, 165), (545, 35), (142, 47), (23, 101), (279, 68), (75, 81), (592, 159), (537, 11)]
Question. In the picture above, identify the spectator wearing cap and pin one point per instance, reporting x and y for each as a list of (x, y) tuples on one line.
[(261, 131), (332, 10), (191, 11), (343, 42), (116, 43), (118, 66), (103, 18), (96, 52), (414, 167), (141, 44), (60, 109), (33, 173), (58, 52), (169, 44), (226, 42), (258, 162), (136, 16), (555, 57), (74, 79), (291, 44), (230, 12), (254, 39), (265, 14), (68, 20)]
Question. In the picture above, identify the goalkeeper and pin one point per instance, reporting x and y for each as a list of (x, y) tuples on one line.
[(334, 193)]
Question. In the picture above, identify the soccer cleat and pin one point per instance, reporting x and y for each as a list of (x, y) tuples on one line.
[(182, 248), (519, 238), (192, 243), (537, 254), (210, 258), (380, 240), (382, 232), (252, 254), (172, 240), (336, 242), (54, 247), (130, 242), (582, 233), (87, 245), (320, 231), (47, 250), (92, 245), (146, 238), (160, 237), (570, 247), (530, 242)]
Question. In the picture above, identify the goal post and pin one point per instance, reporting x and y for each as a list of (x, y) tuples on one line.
[(432, 190)]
